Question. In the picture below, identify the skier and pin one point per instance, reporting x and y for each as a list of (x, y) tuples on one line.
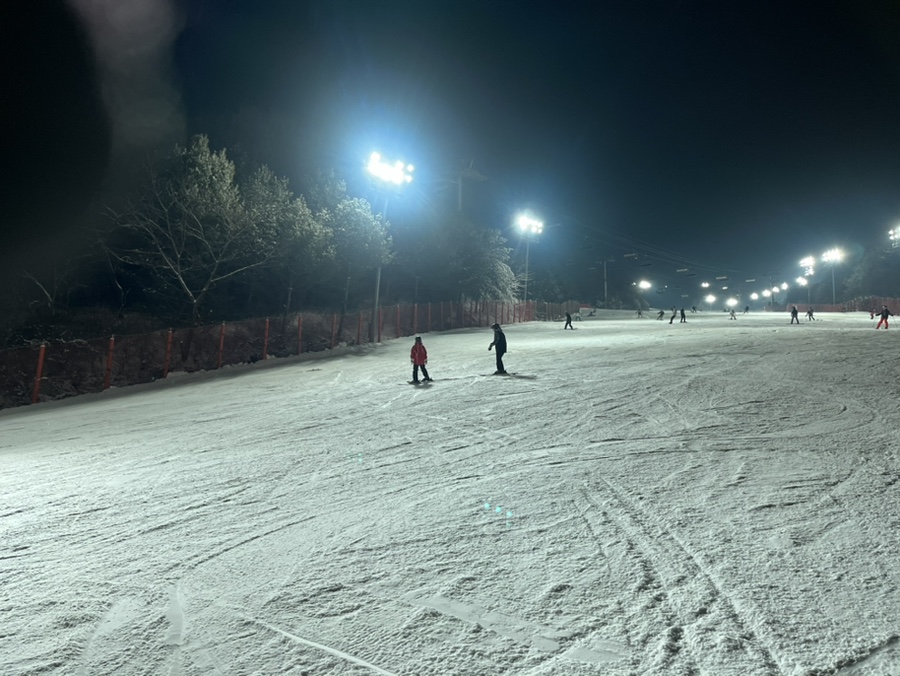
[(500, 343), (884, 314), (732, 315), (746, 309), (661, 314), (418, 355), (568, 322), (794, 313), (809, 315), (683, 318)]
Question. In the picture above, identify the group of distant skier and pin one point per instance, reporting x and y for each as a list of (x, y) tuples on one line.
[(418, 355)]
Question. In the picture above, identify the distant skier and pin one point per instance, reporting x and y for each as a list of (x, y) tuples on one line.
[(884, 314), (809, 315), (661, 314), (499, 342), (746, 309), (794, 313), (674, 314), (418, 355), (732, 315), (568, 322), (683, 318), (640, 313)]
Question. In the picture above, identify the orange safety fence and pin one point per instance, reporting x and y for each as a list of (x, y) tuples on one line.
[(60, 369)]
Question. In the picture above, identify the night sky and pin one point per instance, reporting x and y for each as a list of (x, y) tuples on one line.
[(732, 136)]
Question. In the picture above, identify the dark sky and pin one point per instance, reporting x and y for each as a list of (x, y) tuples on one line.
[(732, 135)]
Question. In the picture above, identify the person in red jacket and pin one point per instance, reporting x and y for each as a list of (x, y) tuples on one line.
[(884, 314), (418, 355)]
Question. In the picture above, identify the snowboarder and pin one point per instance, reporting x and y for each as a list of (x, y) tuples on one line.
[(499, 342), (418, 355), (809, 315), (732, 315), (568, 322), (640, 313), (674, 314), (884, 314), (794, 313), (661, 314), (746, 309), (683, 318)]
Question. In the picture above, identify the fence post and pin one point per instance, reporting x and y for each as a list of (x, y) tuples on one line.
[(107, 377), (39, 374), (428, 328), (299, 334), (333, 329), (221, 345), (415, 318), (168, 354), (266, 341)]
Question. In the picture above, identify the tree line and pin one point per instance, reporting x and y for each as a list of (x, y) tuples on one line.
[(202, 239)]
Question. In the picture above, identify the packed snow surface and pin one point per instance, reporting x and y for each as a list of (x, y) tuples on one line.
[(637, 497)]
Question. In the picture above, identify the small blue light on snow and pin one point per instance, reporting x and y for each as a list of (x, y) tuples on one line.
[(487, 505)]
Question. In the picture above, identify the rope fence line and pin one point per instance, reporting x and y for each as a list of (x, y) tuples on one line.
[(60, 369)]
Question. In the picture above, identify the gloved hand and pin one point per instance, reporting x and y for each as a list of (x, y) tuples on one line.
[(490, 346)]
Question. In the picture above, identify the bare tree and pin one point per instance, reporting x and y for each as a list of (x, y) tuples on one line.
[(192, 228)]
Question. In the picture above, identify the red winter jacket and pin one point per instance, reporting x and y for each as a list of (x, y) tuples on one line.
[(418, 354)]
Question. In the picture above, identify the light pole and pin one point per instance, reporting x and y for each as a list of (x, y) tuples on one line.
[(809, 269), (833, 256), (397, 174), (894, 236), (803, 281), (530, 227), (643, 285)]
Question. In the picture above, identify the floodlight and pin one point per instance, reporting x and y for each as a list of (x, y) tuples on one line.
[(529, 225), (833, 256), (397, 173)]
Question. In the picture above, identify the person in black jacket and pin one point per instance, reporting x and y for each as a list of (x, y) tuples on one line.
[(794, 313), (499, 343), (884, 314)]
